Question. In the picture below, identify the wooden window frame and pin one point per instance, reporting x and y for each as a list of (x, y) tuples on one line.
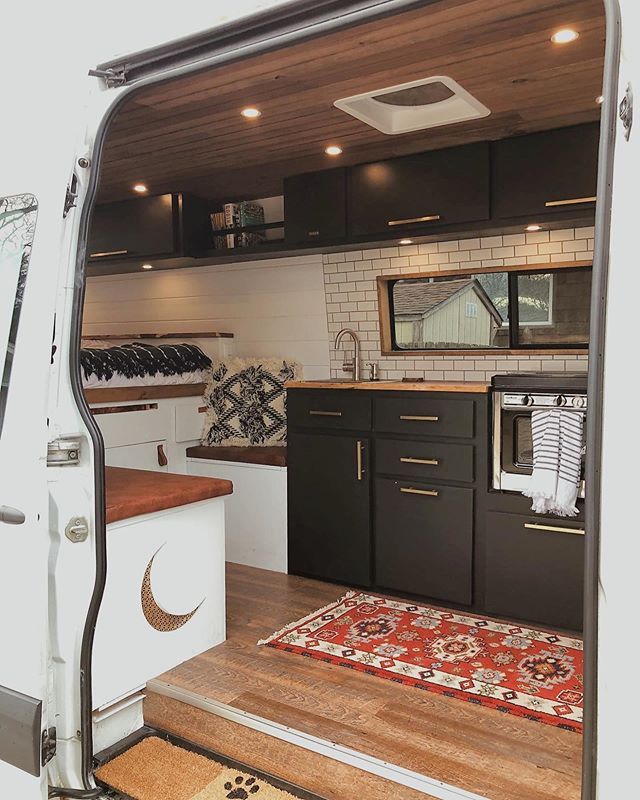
[(384, 311)]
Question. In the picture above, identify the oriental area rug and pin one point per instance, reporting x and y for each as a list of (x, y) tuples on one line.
[(531, 673)]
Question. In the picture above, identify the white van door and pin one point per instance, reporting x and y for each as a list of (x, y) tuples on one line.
[(24, 538)]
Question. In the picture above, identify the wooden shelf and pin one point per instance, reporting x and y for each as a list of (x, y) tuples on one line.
[(185, 335), (265, 226)]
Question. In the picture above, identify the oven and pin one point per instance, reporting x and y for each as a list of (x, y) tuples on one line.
[(515, 397)]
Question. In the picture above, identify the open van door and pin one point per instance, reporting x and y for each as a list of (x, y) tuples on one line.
[(24, 538)]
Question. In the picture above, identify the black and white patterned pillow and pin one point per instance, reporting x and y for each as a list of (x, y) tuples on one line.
[(246, 402)]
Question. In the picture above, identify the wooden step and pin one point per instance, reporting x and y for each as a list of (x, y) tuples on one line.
[(330, 779)]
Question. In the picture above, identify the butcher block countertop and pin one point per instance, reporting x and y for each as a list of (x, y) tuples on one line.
[(131, 492), (473, 387)]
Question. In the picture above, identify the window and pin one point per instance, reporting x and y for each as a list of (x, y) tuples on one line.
[(487, 311), (17, 226)]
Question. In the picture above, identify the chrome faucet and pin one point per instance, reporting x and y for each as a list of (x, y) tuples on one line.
[(350, 365)]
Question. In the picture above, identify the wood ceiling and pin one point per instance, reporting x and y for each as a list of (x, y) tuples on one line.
[(188, 135)]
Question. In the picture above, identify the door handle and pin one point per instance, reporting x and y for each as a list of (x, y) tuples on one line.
[(12, 516), (573, 201), (162, 456), (534, 526), (360, 470), (432, 462), (413, 220)]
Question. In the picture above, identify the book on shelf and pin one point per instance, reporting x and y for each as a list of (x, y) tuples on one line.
[(237, 215)]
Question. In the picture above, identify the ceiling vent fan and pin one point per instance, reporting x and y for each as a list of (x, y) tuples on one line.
[(414, 106)]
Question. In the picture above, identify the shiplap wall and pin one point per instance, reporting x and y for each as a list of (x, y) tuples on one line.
[(273, 308)]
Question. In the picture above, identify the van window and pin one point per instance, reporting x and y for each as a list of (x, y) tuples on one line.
[(17, 227)]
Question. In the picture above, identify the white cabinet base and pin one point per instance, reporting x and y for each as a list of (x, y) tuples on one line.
[(256, 512), (165, 596)]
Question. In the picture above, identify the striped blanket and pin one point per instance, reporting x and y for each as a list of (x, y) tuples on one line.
[(557, 461)]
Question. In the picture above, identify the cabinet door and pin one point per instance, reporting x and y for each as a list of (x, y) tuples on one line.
[(534, 569), (546, 173), (424, 539), (420, 192), (315, 207), (145, 226), (329, 517)]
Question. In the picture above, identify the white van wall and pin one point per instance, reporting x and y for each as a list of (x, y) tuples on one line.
[(273, 308)]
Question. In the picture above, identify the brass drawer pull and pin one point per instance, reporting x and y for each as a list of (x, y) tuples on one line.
[(428, 218), (576, 201), (553, 528), (325, 413), (433, 462), (108, 253), (409, 418), (425, 492), (360, 471)]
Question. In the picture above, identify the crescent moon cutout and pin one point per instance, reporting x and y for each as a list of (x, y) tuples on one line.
[(159, 619)]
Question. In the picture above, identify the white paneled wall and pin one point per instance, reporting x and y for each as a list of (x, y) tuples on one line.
[(352, 300), (274, 307)]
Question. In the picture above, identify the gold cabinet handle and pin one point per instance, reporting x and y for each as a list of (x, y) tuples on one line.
[(425, 492), (533, 526), (575, 201), (413, 220), (108, 253), (433, 462), (359, 449), (409, 418), (325, 413)]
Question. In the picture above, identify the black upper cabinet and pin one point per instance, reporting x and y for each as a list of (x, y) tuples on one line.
[(315, 207), (545, 173), (420, 192), (163, 225)]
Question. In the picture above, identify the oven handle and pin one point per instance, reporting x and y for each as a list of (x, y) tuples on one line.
[(534, 526)]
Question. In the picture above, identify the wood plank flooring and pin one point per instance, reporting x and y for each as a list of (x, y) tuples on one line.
[(478, 749)]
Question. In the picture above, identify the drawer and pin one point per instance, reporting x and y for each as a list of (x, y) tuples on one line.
[(190, 420), (336, 409), (424, 539), (135, 423), (425, 416), (426, 460), (148, 455), (534, 569)]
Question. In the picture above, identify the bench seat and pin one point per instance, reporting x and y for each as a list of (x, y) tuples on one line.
[(268, 456)]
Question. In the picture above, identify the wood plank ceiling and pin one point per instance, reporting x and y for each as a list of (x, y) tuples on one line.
[(188, 135)]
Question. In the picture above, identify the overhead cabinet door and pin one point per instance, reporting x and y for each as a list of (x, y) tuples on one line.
[(315, 207), (546, 173), (420, 192)]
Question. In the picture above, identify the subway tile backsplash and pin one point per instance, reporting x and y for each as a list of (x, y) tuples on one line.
[(352, 299)]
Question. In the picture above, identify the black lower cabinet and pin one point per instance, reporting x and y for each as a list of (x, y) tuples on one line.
[(424, 539), (534, 569), (329, 507)]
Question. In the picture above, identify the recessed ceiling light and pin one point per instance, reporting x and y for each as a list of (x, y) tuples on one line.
[(565, 36), (333, 150), (533, 228), (406, 241), (147, 266), (251, 113), (140, 188), (600, 99)]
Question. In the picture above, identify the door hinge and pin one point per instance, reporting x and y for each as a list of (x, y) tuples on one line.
[(71, 196), (49, 744), (626, 112), (112, 77), (63, 452)]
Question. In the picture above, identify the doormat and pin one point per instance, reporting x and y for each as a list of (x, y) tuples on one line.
[(156, 769), (523, 671)]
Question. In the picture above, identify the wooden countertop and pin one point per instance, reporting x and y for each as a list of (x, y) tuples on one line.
[(275, 456), (121, 394), (473, 387), (131, 492)]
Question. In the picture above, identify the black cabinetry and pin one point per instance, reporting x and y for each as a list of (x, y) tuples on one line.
[(544, 174), (315, 207), (165, 225), (420, 192)]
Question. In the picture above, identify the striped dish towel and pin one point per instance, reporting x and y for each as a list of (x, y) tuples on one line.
[(557, 461)]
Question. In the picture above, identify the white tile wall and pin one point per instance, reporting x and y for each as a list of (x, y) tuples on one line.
[(352, 300), (274, 307)]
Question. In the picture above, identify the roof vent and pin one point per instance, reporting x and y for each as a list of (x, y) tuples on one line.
[(414, 106)]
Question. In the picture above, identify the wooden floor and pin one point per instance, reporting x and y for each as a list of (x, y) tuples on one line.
[(496, 755)]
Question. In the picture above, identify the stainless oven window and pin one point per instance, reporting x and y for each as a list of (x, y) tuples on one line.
[(523, 442)]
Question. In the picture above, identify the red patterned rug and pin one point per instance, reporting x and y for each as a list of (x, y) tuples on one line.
[(531, 673)]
